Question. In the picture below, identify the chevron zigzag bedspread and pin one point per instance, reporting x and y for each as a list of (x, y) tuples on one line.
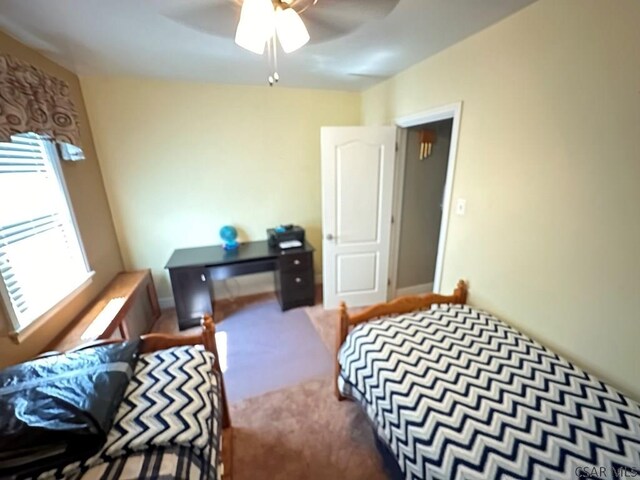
[(167, 426), (457, 394)]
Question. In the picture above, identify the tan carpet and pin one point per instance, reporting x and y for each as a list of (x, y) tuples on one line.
[(300, 432), (326, 324), (303, 432)]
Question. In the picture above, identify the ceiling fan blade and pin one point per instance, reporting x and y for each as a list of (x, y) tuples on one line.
[(219, 19), (291, 30), (331, 19), (326, 20)]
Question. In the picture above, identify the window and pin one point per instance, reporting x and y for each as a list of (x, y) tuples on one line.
[(42, 260)]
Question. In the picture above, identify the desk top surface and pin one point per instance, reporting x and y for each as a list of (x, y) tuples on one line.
[(215, 255)]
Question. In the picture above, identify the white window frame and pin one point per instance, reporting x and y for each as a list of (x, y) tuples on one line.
[(16, 331)]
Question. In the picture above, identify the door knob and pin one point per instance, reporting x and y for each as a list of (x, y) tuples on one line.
[(329, 236)]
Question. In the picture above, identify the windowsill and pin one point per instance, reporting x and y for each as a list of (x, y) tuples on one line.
[(19, 336)]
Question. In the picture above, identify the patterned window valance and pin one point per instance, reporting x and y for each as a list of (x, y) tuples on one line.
[(34, 101)]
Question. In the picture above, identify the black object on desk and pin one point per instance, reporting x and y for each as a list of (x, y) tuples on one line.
[(284, 233), (191, 269)]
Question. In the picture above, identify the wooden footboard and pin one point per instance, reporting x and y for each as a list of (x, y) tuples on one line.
[(406, 304)]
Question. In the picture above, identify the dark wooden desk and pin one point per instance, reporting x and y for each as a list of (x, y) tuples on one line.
[(191, 270)]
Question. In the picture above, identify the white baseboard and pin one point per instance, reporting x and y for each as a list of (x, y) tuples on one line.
[(415, 290), (244, 286)]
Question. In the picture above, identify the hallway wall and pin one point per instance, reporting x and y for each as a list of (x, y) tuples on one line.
[(422, 205)]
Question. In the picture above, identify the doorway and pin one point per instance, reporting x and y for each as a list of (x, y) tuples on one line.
[(422, 199)]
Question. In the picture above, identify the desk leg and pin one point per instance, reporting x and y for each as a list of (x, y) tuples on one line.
[(191, 294)]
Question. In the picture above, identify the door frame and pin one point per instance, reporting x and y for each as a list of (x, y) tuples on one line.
[(451, 111)]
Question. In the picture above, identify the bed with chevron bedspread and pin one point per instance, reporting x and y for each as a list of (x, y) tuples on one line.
[(455, 393), (168, 425)]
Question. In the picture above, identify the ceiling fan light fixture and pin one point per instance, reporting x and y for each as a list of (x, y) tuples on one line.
[(256, 25), (290, 29)]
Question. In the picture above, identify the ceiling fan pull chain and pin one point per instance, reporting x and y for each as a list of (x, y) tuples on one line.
[(270, 78), (272, 54), (276, 75)]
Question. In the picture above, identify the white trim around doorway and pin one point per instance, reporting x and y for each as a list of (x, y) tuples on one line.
[(451, 111)]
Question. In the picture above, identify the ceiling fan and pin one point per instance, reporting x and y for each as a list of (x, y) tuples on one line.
[(264, 20), (256, 24)]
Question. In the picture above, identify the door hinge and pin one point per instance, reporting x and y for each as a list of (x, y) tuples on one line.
[(397, 146), (393, 220), (388, 282)]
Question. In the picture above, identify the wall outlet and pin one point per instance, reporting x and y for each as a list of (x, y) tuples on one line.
[(461, 206)]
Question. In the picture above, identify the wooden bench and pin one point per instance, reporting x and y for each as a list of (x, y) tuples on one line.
[(106, 314)]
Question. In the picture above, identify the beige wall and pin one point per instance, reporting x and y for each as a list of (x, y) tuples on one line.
[(86, 190), (421, 205), (549, 162), (182, 159)]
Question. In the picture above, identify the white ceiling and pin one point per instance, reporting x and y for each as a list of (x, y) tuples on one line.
[(137, 37)]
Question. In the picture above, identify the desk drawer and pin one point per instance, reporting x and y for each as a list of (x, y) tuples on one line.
[(296, 262), (296, 284), (295, 289)]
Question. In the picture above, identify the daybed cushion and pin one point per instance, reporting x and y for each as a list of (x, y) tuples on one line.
[(456, 393)]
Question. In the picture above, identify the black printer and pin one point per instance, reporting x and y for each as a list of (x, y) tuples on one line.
[(286, 236)]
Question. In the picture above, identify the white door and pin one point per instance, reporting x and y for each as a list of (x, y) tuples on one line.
[(357, 194)]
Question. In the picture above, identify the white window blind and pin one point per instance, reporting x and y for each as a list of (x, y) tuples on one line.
[(41, 257)]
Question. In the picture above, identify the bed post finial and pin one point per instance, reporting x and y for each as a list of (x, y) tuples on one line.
[(461, 291), (343, 308), (207, 322)]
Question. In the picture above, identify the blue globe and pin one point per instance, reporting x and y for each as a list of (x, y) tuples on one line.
[(229, 235)]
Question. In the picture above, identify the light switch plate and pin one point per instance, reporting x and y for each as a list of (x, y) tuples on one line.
[(461, 206)]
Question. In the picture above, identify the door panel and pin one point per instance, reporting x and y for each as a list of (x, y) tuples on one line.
[(357, 191), (358, 220), (357, 272)]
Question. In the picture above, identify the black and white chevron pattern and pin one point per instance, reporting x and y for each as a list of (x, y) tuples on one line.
[(171, 409), (458, 394), (168, 402)]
